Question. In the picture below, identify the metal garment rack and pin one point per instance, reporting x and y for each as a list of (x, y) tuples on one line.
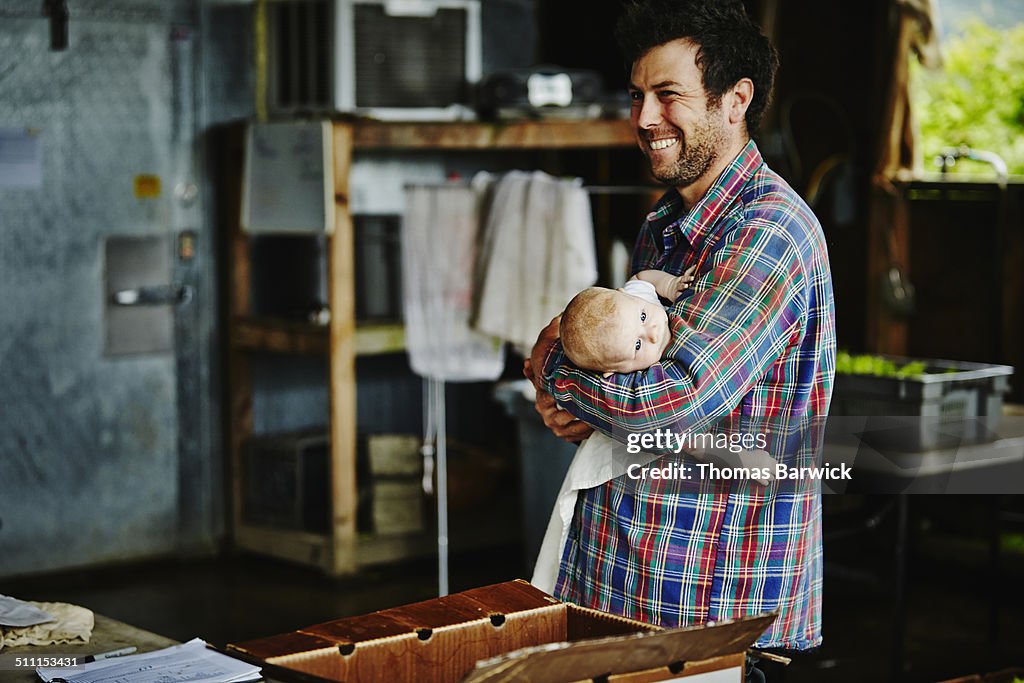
[(435, 461), (590, 189)]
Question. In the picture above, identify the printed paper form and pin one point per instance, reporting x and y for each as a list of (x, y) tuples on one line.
[(191, 662)]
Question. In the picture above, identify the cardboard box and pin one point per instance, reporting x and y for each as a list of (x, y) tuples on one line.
[(398, 506), (505, 632), (394, 455)]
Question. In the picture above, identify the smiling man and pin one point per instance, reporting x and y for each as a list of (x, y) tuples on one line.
[(752, 345), (677, 125)]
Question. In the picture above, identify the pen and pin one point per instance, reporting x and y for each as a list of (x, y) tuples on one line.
[(108, 655)]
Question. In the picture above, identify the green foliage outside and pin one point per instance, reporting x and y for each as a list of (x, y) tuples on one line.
[(976, 99)]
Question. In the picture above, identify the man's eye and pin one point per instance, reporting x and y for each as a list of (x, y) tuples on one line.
[(643, 316), (637, 345)]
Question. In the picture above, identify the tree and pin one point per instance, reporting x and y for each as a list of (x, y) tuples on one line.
[(976, 100)]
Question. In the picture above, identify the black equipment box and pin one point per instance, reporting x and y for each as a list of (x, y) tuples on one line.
[(545, 91)]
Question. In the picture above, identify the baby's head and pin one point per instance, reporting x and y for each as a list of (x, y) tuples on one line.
[(609, 331)]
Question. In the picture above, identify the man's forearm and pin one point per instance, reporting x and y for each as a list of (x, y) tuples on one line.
[(738, 324), (620, 404)]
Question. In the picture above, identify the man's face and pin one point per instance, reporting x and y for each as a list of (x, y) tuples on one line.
[(638, 335), (674, 125)]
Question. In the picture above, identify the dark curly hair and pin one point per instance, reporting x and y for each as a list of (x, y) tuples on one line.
[(730, 45)]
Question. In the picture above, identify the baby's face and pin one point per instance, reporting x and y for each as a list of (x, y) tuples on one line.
[(639, 334)]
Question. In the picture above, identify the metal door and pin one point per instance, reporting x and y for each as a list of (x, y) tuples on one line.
[(100, 455)]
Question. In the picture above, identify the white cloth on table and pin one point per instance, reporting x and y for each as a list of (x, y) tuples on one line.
[(71, 624)]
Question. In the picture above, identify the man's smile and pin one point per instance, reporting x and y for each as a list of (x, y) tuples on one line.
[(662, 143)]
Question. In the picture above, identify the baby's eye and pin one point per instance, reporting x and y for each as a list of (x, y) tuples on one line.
[(643, 316), (637, 345)]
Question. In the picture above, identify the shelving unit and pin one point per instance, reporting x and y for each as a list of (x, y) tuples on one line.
[(342, 550)]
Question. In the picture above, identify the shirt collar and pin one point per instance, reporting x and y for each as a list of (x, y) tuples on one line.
[(696, 223)]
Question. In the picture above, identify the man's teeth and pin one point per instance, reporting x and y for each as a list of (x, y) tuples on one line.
[(663, 143)]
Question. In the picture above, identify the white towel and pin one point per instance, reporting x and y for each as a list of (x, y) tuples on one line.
[(71, 624), (538, 252), (599, 459), (439, 249)]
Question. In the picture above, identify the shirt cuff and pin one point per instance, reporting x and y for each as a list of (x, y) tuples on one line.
[(553, 360)]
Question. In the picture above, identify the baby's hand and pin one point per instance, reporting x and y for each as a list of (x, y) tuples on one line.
[(687, 276), (678, 284), (667, 286)]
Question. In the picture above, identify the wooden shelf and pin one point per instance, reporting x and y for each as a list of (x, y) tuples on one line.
[(372, 549), (480, 533), (280, 336), (286, 336), (517, 135), (313, 549), (342, 549), (375, 339), (285, 544)]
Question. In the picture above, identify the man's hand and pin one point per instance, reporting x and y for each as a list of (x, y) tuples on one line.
[(561, 422), (545, 340)]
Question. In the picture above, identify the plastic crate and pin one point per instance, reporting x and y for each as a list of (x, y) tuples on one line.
[(284, 480), (954, 402)]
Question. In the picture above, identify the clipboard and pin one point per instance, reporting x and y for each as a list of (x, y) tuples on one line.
[(288, 184)]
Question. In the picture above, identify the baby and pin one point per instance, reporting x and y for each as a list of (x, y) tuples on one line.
[(621, 330)]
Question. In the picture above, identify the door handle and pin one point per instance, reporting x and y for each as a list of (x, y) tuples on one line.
[(154, 295)]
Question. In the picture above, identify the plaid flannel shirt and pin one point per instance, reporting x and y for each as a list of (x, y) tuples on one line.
[(758, 346)]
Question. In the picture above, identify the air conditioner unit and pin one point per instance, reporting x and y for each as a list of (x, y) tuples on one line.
[(387, 59)]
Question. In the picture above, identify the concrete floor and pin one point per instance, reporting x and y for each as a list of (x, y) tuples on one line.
[(238, 597)]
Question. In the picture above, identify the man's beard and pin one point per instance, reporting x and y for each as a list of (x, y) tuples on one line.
[(699, 153)]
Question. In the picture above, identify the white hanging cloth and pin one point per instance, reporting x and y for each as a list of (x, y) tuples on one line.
[(439, 253), (537, 253)]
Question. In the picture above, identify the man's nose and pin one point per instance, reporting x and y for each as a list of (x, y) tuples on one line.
[(652, 334), (648, 113)]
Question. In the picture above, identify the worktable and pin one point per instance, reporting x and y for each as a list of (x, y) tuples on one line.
[(991, 467), (108, 634)]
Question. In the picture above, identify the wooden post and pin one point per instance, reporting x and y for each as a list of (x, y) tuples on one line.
[(341, 299)]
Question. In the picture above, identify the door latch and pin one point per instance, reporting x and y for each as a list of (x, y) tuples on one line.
[(175, 294)]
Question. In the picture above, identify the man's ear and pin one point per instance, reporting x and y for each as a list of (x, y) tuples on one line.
[(738, 99)]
